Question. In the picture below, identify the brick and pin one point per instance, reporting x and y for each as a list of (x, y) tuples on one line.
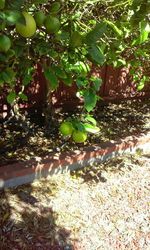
[(25, 172)]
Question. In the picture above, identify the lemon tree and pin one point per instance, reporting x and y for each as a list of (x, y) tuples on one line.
[(67, 39)]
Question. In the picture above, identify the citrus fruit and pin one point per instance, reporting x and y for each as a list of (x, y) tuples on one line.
[(28, 29), (66, 128), (52, 24), (39, 18), (55, 7), (76, 40), (2, 4), (79, 136), (5, 43)]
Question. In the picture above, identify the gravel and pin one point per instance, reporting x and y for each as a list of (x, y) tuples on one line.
[(100, 207)]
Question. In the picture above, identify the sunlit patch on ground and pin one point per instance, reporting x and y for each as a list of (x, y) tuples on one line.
[(103, 206)]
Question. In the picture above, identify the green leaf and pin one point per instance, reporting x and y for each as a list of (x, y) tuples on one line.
[(81, 68), (68, 81), (11, 97), (91, 119), (10, 53), (11, 73), (81, 82), (79, 126), (114, 28), (28, 75), (94, 35), (96, 54), (90, 99), (97, 82), (2, 4), (52, 78), (2, 15), (13, 17), (3, 58), (23, 96), (141, 84), (60, 72), (15, 4), (5, 77), (121, 62), (144, 33), (40, 1), (52, 53), (1, 80), (90, 128), (63, 36), (8, 75), (26, 80), (145, 29)]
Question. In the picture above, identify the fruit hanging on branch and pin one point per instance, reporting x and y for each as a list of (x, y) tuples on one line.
[(39, 18), (5, 43), (55, 7), (29, 28), (79, 136), (66, 128), (52, 24)]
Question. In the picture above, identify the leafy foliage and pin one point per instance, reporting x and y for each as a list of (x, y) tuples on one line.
[(89, 32)]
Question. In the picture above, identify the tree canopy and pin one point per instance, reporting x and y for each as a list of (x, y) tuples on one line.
[(67, 38)]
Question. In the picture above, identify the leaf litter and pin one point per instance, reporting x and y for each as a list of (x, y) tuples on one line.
[(115, 121), (102, 206)]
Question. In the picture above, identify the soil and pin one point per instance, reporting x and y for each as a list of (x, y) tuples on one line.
[(22, 141)]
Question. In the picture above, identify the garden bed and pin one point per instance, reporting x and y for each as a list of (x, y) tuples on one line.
[(114, 120), (104, 206)]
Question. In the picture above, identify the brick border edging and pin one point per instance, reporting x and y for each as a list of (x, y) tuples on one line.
[(28, 171)]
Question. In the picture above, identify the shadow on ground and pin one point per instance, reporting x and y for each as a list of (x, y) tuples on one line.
[(21, 141), (32, 225), (95, 173)]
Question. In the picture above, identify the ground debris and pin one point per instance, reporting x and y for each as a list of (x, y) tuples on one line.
[(78, 211)]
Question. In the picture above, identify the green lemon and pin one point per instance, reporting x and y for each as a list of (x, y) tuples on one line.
[(2, 4), (5, 43), (55, 7), (52, 24), (79, 136), (28, 29), (66, 128), (39, 18)]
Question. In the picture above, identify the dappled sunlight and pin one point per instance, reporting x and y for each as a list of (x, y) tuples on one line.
[(97, 172), (26, 222), (21, 142), (70, 211)]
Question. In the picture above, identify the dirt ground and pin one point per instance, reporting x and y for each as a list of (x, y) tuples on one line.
[(114, 120), (101, 207)]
